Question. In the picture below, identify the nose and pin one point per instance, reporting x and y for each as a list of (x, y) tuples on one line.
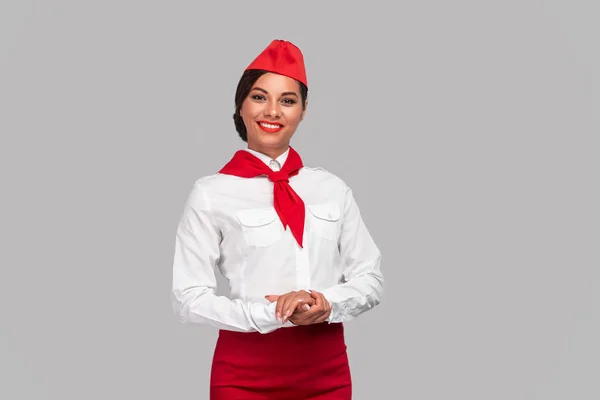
[(272, 110)]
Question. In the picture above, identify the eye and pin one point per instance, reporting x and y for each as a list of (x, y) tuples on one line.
[(289, 101), (258, 97)]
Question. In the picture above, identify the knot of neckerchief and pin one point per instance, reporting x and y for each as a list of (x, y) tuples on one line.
[(288, 205), (278, 176)]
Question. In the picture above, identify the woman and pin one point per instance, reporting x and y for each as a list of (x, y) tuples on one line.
[(291, 242)]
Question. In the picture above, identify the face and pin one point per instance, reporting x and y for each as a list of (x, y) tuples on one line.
[(271, 113)]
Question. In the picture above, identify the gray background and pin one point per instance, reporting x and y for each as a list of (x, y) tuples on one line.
[(467, 129)]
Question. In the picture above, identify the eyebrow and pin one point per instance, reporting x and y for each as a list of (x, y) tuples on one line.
[(283, 94)]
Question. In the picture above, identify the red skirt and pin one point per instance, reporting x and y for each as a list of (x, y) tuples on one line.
[(300, 362)]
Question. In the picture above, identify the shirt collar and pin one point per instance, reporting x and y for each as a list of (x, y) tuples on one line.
[(267, 160)]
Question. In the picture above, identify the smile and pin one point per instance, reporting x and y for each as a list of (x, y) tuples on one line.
[(269, 126)]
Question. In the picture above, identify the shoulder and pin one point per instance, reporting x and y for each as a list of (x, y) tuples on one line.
[(214, 181), (322, 175), (206, 180), (203, 189)]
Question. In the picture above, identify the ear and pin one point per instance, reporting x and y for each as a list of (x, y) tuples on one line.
[(304, 111)]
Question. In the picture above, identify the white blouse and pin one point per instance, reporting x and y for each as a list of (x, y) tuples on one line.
[(230, 223)]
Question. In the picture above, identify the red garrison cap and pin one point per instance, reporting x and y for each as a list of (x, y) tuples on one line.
[(281, 57)]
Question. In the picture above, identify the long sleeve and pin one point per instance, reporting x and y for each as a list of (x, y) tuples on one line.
[(197, 252), (361, 287)]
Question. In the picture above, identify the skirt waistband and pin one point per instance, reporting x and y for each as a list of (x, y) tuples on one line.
[(315, 340)]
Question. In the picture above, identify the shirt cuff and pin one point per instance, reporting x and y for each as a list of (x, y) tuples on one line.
[(265, 320)]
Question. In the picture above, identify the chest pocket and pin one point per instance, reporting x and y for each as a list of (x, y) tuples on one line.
[(325, 220), (260, 227)]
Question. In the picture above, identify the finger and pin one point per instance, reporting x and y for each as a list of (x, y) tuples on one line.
[(302, 307), (314, 294), (279, 308), (318, 299), (303, 317), (272, 297), (322, 307), (290, 306), (328, 308), (285, 307), (309, 301), (320, 304), (326, 305), (315, 310)]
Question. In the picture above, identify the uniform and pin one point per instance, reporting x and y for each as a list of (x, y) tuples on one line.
[(234, 224)]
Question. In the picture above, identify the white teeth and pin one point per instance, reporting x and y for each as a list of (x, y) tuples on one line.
[(269, 125)]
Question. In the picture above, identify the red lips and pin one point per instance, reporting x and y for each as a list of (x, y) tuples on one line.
[(269, 129)]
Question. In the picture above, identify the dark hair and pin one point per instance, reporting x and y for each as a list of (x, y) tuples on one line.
[(244, 86)]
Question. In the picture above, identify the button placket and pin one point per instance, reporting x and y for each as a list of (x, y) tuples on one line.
[(302, 268)]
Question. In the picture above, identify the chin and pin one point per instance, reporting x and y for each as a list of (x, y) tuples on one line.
[(271, 140)]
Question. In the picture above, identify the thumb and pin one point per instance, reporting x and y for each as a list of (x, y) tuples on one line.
[(272, 297)]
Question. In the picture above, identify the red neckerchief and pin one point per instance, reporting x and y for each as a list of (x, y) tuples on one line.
[(288, 204)]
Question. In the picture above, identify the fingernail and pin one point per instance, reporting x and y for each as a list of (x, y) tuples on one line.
[(287, 313), (278, 315)]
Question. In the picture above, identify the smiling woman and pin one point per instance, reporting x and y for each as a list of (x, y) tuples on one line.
[(271, 113), (291, 242), (272, 102)]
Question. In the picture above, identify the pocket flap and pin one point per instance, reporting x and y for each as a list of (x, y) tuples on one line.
[(256, 217), (327, 211)]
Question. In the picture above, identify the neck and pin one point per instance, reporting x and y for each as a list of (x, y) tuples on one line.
[(273, 153)]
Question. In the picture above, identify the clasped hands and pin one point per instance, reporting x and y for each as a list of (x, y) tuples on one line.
[(301, 307)]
